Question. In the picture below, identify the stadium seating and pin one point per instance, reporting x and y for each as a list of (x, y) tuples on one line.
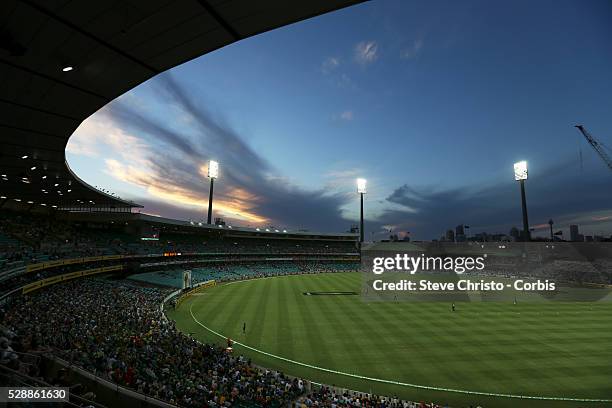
[(27, 239), (116, 330), (231, 272)]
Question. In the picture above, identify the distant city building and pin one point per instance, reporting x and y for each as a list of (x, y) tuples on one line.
[(574, 234), (588, 238), (459, 233), (450, 235)]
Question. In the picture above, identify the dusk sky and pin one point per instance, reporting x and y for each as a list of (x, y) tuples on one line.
[(432, 102)]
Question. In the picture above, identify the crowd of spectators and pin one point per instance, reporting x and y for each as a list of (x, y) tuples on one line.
[(116, 330), (10, 283), (572, 272), (233, 270), (329, 397), (28, 238), (22, 366), (233, 245)]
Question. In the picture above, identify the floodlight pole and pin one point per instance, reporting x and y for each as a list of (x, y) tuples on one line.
[(361, 224), (526, 233), (361, 190), (552, 237), (210, 200)]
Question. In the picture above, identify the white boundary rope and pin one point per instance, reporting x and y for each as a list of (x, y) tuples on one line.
[(381, 380)]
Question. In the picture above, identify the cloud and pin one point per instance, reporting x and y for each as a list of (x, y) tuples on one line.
[(366, 52), (413, 50), (98, 133), (340, 180), (149, 152), (164, 158), (346, 115), (90, 133), (330, 64), (495, 207), (81, 148)]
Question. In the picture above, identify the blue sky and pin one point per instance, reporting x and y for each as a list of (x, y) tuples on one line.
[(432, 102)]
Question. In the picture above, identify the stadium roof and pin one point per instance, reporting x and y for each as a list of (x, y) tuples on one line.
[(62, 60), (136, 218)]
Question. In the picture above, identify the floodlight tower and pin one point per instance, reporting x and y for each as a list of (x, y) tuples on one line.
[(361, 189), (213, 173), (520, 175), (550, 223)]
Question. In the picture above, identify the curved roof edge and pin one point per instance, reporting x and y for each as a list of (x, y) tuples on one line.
[(60, 62)]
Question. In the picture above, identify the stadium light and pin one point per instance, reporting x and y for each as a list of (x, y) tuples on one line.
[(361, 185), (361, 189), (520, 170), (213, 169), (520, 175), (213, 173)]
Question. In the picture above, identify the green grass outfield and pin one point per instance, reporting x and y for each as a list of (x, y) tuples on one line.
[(542, 349)]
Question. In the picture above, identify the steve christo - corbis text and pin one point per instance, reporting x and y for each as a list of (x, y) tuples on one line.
[(459, 265), (467, 285)]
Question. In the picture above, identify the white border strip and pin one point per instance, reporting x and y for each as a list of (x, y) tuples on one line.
[(425, 387)]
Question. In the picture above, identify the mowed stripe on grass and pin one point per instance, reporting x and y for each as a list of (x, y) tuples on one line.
[(553, 349)]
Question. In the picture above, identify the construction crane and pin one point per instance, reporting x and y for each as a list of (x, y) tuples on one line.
[(598, 146)]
